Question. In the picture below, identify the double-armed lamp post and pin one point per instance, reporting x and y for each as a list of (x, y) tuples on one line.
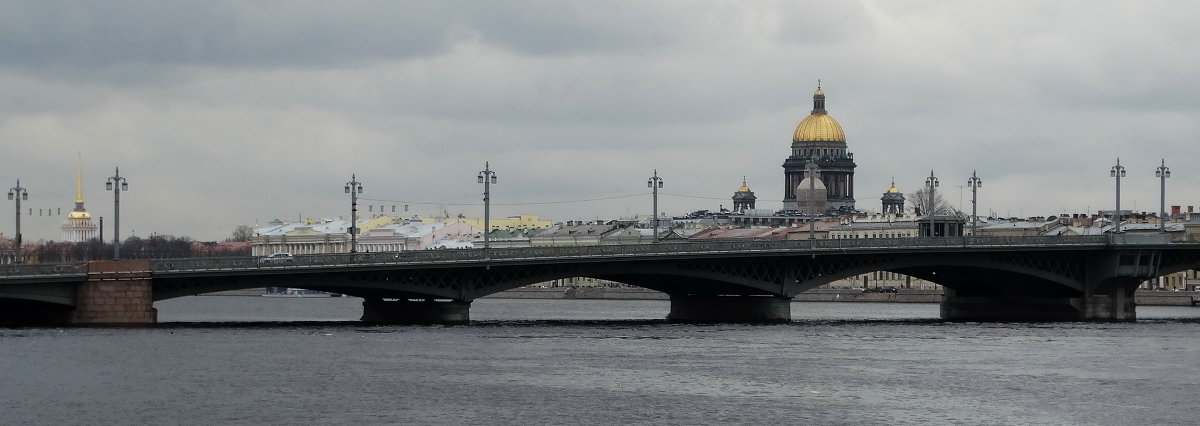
[(655, 183), (1118, 172), (974, 183), (354, 187), (487, 177), (1162, 173), (932, 183), (18, 193), (116, 184)]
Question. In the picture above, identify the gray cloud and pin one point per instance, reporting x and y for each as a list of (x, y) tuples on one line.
[(227, 113)]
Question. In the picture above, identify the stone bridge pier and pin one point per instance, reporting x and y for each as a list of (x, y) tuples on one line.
[(112, 294), (115, 293)]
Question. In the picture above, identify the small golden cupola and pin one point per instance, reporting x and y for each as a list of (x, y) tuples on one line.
[(819, 126), (744, 198), (893, 201)]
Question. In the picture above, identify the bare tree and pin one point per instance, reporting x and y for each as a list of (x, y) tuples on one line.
[(920, 201), (242, 233)]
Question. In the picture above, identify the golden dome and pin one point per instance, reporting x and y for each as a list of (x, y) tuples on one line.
[(79, 215), (819, 126), (744, 188)]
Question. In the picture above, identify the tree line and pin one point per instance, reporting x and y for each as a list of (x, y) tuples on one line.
[(154, 247)]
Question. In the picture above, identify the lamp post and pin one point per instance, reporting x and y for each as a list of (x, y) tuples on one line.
[(654, 183), (354, 187), (1162, 173), (487, 177), (974, 183), (116, 184), (932, 183), (812, 170), (18, 193), (1118, 172)]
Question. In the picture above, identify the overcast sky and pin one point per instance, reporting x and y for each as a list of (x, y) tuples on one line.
[(229, 113)]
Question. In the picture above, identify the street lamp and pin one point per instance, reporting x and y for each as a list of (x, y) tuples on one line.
[(487, 177), (116, 184), (974, 182), (1162, 174), (932, 183), (1118, 172), (654, 183), (354, 187), (18, 193), (812, 170)]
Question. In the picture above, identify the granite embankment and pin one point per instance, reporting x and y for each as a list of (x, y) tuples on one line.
[(635, 293), (1143, 297)]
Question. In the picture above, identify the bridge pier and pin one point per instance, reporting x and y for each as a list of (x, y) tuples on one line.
[(739, 309), (1113, 305), (427, 311), (115, 293)]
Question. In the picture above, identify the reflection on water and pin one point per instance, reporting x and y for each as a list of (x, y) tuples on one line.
[(223, 360)]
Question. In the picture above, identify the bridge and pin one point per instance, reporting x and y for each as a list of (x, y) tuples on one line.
[(1061, 278)]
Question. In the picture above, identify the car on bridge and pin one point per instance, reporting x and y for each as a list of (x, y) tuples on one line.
[(277, 258)]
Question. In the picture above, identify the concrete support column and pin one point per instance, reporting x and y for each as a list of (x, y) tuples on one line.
[(115, 293), (428, 311), (1115, 305), (739, 309)]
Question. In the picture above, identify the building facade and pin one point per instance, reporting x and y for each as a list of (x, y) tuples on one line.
[(819, 139)]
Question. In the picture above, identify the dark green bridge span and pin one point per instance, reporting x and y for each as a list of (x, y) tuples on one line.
[(985, 278)]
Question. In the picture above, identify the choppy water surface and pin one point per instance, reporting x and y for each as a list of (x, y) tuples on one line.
[(240, 360)]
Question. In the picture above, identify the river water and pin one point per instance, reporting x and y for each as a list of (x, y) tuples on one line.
[(255, 360)]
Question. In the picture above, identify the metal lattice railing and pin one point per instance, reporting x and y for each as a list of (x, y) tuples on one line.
[(43, 270), (682, 248)]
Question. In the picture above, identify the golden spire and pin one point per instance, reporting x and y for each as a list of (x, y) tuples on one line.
[(79, 181), (744, 188), (79, 212)]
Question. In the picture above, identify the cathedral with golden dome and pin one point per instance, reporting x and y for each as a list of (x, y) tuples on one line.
[(79, 226), (819, 139)]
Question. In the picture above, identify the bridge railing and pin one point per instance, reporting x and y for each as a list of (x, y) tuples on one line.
[(612, 251), (43, 270), (666, 248)]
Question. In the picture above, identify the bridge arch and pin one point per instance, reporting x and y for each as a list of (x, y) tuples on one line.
[(953, 270)]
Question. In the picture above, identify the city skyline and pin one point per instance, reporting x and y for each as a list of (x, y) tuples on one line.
[(222, 116)]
